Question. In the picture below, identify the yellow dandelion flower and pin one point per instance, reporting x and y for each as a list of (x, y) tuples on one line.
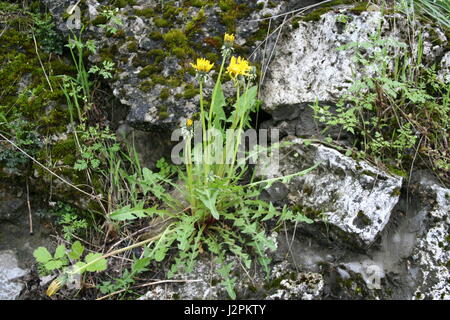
[(54, 287), (203, 65), (238, 66), (189, 122), (228, 38)]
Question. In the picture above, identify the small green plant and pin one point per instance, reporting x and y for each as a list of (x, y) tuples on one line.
[(51, 262), (209, 208), (216, 212), (25, 138), (114, 22), (61, 259), (395, 107), (68, 218), (343, 18), (96, 146), (105, 71), (46, 34), (124, 283)]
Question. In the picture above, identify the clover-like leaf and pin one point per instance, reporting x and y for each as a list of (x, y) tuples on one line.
[(99, 265), (60, 252), (53, 264), (77, 250), (42, 255)]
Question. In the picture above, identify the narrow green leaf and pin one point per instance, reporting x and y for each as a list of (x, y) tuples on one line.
[(140, 265), (217, 105), (209, 200), (129, 213)]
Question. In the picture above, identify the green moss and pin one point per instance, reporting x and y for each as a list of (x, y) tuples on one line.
[(146, 86), (171, 11), (156, 55), (311, 213), (274, 284), (396, 192), (195, 24), (133, 46), (226, 5), (120, 34), (165, 94), (271, 4), (197, 3), (397, 171), (261, 33), (231, 12), (180, 53), (316, 14), (149, 71), (190, 93), (363, 219), (213, 57), (109, 53), (99, 20), (138, 61), (36, 102), (154, 35), (359, 7), (160, 22), (163, 115), (65, 150), (174, 82), (124, 3), (175, 38), (147, 12)]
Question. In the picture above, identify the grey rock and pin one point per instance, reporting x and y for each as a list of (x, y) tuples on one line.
[(10, 205), (444, 72), (354, 197), (10, 272), (198, 284), (150, 145), (307, 65), (431, 254), (276, 192), (302, 286), (146, 105)]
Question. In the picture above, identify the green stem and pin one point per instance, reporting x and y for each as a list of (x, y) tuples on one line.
[(188, 162), (204, 138), (290, 176)]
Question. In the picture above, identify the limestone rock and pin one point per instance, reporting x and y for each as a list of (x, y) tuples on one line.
[(308, 65), (432, 252), (352, 196), (9, 273)]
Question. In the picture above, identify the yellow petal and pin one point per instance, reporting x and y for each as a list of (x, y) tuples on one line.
[(53, 287)]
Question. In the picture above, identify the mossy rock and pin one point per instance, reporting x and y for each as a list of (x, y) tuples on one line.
[(149, 71), (316, 14)]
